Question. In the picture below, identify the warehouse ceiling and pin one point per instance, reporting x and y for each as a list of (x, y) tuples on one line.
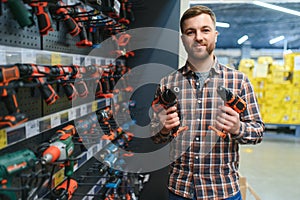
[(259, 23)]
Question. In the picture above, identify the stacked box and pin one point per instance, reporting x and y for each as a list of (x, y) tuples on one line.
[(289, 61), (246, 66), (277, 89)]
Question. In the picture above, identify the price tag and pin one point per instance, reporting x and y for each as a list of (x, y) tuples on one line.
[(28, 56), (59, 177), (88, 61), (89, 153), (3, 138), (72, 114), (98, 61), (94, 150), (55, 59), (32, 128), (107, 101), (94, 106), (76, 60), (83, 110), (2, 57), (82, 61), (64, 117), (55, 120), (116, 98)]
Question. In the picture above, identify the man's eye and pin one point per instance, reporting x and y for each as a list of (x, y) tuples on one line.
[(189, 33), (206, 30)]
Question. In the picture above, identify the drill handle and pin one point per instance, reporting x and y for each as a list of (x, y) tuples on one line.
[(70, 91), (10, 101), (43, 17), (70, 23), (84, 41)]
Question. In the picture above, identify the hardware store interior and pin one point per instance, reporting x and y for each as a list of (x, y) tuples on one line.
[(57, 141)]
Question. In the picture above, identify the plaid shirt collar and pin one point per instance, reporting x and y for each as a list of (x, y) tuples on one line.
[(187, 71)]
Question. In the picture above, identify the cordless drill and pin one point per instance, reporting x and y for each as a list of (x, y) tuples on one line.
[(65, 190), (166, 99), (41, 11), (233, 101), (12, 164), (10, 74), (60, 149)]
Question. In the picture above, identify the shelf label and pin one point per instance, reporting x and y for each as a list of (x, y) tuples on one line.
[(83, 110), (72, 114), (55, 59), (64, 117), (3, 138), (98, 61), (55, 120), (94, 106), (2, 57), (28, 56), (45, 124), (89, 153), (59, 177), (88, 61), (107, 100), (76, 60), (32, 128)]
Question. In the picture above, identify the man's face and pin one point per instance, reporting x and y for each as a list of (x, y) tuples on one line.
[(199, 36)]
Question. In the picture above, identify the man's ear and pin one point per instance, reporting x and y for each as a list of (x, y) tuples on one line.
[(217, 33)]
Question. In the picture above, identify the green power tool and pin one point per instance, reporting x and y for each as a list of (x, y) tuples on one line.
[(13, 164)]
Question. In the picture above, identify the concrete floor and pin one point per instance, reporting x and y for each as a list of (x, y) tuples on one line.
[(272, 168)]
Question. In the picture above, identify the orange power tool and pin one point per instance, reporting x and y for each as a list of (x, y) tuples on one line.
[(232, 100)]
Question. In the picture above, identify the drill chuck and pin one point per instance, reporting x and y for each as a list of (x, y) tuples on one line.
[(168, 98), (59, 150), (232, 100), (51, 155)]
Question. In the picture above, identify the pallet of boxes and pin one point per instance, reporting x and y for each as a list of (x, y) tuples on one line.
[(277, 87)]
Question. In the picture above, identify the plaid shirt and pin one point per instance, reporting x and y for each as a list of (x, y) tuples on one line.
[(203, 163)]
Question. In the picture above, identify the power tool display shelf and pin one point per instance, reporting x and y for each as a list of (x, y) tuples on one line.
[(13, 135)]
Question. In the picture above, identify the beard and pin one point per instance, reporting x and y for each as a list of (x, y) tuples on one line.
[(200, 54)]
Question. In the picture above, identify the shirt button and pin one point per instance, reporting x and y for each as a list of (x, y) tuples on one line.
[(197, 83), (197, 138), (198, 120), (197, 157), (199, 101)]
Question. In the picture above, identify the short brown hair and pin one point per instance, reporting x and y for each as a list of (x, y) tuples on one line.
[(195, 11)]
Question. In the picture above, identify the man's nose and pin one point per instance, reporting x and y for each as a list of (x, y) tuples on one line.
[(198, 36)]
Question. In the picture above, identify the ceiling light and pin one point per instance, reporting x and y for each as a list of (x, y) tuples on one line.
[(278, 8), (242, 39), (222, 24), (277, 39)]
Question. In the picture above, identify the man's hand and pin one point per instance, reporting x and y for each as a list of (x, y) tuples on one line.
[(169, 118), (228, 120)]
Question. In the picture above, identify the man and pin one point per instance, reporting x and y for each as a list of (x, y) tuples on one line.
[(205, 165)]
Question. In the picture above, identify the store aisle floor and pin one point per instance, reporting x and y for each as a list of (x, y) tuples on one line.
[(272, 168)]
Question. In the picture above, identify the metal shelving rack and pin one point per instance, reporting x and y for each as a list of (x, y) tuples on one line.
[(25, 45)]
